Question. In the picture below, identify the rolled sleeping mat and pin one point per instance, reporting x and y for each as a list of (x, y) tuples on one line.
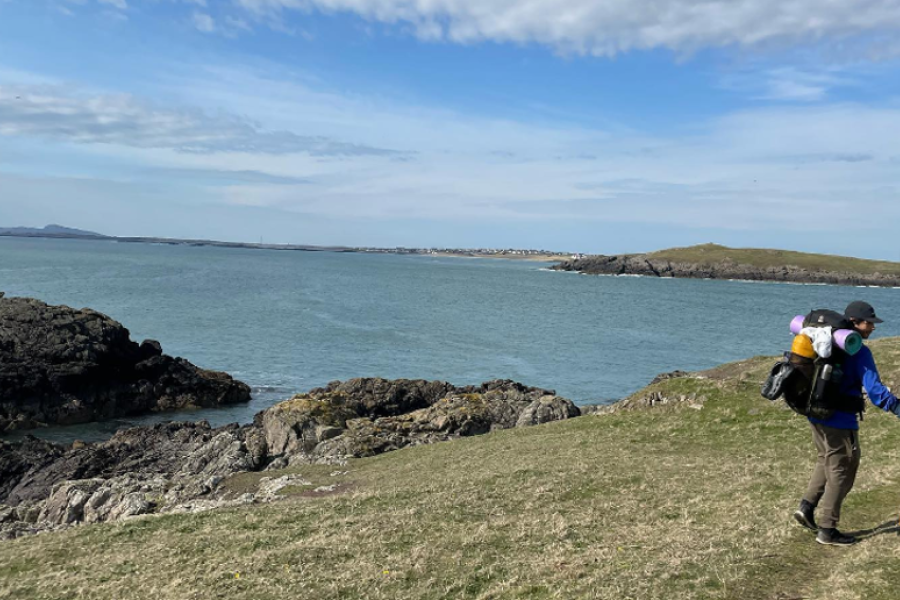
[(802, 346), (848, 340)]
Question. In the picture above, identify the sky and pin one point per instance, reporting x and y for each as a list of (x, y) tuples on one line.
[(596, 126)]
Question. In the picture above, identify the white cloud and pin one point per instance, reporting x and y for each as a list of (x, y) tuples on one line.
[(59, 113), (204, 22), (609, 27), (790, 84), (120, 4)]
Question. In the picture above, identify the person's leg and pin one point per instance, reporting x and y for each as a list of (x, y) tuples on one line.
[(841, 465), (816, 487), (805, 513)]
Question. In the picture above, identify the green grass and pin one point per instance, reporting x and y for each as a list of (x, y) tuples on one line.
[(666, 502), (763, 258)]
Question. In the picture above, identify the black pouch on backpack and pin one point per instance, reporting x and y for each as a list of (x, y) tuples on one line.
[(792, 379), (774, 385)]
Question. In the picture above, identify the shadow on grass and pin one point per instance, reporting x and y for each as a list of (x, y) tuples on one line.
[(785, 574), (884, 528)]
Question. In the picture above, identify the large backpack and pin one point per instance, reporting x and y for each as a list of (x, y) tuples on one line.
[(801, 380), (823, 317)]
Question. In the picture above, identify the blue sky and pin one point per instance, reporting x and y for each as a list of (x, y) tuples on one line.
[(578, 125)]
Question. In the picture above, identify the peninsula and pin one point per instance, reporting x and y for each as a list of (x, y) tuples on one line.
[(711, 261)]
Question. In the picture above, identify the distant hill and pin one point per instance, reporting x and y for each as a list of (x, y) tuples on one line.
[(712, 261), (52, 230)]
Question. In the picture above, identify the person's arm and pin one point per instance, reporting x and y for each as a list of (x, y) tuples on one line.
[(878, 393)]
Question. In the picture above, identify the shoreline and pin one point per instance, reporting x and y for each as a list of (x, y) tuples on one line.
[(732, 280), (535, 258), (159, 241)]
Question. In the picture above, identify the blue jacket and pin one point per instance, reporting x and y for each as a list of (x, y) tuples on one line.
[(860, 373)]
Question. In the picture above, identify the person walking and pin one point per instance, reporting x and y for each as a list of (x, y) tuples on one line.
[(837, 438)]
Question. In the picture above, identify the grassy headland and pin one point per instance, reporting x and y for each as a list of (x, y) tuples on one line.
[(711, 261), (687, 499), (763, 258)]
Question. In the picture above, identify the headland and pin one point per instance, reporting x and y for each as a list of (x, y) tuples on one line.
[(711, 261)]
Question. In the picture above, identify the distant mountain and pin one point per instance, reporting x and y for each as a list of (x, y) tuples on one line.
[(53, 230)]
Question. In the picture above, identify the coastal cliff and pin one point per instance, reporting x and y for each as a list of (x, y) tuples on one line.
[(710, 261), (59, 365)]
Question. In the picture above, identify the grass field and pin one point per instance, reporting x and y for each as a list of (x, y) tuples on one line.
[(762, 258), (689, 500)]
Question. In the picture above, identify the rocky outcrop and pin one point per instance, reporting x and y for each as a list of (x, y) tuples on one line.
[(649, 400), (651, 266), (363, 417), (138, 471), (180, 452), (178, 467), (455, 416), (59, 365), (670, 375)]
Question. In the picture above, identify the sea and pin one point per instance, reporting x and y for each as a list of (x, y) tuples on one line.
[(285, 322)]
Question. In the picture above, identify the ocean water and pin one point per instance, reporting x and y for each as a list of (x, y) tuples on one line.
[(285, 322)]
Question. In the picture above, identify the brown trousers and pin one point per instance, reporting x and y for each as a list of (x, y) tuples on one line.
[(837, 460)]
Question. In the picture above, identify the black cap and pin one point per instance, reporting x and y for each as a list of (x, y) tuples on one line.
[(861, 311)]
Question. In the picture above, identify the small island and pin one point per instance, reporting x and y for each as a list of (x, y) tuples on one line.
[(711, 261)]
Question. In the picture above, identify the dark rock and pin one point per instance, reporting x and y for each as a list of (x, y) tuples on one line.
[(59, 365), (376, 397), (150, 348), (16, 460)]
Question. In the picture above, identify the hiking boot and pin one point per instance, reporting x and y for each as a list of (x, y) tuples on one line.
[(833, 537), (805, 516)]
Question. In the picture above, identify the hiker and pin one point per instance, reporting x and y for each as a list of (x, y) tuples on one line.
[(837, 439)]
